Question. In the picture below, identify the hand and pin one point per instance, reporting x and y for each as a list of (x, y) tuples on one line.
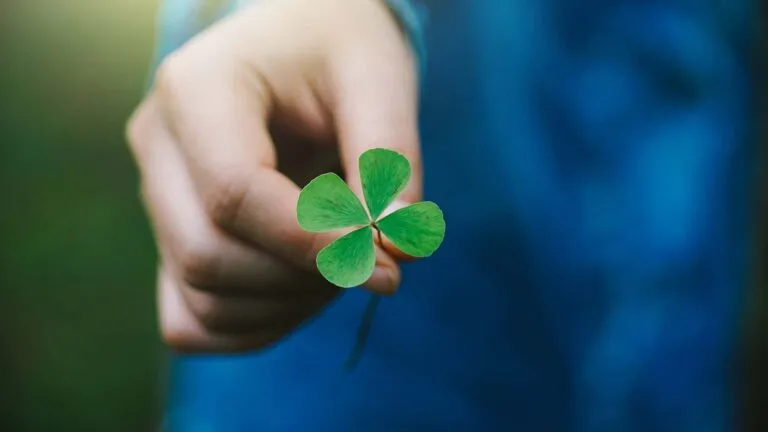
[(238, 119)]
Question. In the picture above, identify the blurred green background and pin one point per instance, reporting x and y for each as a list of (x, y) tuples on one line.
[(80, 347)]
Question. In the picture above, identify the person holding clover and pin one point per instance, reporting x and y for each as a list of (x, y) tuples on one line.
[(552, 199)]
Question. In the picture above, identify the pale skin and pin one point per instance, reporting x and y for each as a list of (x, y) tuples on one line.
[(238, 120)]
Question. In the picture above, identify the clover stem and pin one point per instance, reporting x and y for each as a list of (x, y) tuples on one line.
[(378, 234), (365, 324), (362, 332)]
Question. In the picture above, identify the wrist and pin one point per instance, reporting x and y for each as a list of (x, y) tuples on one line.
[(410, 16)]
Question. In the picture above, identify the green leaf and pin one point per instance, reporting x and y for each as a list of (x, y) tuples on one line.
[(384, 174), (327, 203), (348, 261), (417, 230)]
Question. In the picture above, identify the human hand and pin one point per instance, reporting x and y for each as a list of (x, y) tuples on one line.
[(239, 118)]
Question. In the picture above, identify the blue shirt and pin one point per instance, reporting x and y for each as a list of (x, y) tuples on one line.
[(595, 163)]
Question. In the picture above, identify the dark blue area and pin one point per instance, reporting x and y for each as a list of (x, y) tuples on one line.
[(592, 159)]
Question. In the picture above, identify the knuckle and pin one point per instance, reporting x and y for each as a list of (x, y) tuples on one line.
[(225, 198), (137, 129), (210, 313), (171, 75), (175, 334), (176, 338), (199, 264)]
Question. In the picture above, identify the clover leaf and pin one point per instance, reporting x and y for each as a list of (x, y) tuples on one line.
[(327, 204)]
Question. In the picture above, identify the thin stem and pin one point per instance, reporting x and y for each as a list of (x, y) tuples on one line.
[(362, 332), (365, 324), (378, 234)]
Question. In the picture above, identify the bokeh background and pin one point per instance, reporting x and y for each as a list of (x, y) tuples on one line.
[(79, 350)]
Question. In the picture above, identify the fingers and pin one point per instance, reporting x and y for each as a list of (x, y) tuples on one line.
[(185, 332), (374, 98), (222, 136), (205, 256), (239, 315)]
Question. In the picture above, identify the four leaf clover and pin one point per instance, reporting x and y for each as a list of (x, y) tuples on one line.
[(327, 204)]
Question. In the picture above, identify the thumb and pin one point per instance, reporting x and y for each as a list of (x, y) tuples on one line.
[(374, 105)]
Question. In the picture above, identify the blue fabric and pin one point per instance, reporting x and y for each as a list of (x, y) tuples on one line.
[(594, 160)]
